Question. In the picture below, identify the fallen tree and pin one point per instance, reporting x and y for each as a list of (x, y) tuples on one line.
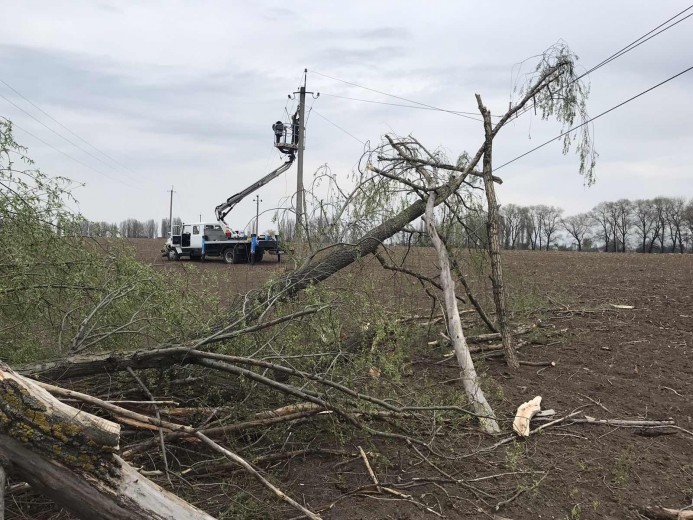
[(71, 457), (395, 167), (554, 90)]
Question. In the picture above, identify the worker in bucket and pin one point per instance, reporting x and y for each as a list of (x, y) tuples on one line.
[(295, 128), (278, 128), (227, 232)]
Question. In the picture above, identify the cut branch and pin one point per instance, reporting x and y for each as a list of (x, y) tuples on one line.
[(470, 380)]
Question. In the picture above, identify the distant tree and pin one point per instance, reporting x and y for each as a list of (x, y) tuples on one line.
[(645, 223), (550, 218), (150, 228), (132, 228), (688, 220), (621, 213), (578, 226), (601, 215), (512, 223), (286, 226), (533, 221), (659, 208), (674, 216), (525, 227)]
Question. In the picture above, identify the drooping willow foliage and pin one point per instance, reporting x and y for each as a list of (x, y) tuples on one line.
[(62, 292), (563, 97)]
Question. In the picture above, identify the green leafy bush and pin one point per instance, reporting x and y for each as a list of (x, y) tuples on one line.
[(61, 292)]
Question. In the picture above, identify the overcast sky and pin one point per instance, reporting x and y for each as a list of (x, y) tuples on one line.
[(184, 93)]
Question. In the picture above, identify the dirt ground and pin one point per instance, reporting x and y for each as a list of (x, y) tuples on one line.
[(617, 363), (630, 363)]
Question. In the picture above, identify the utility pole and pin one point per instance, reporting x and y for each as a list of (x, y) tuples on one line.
[(300, 193), (170, 214), (258, 200)]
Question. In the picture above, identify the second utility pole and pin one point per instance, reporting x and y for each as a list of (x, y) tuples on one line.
[(258, 200)]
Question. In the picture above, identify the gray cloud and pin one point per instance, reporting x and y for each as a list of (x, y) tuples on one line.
[(358, 35), (335, 57)]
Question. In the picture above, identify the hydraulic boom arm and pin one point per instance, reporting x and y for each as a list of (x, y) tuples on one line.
[(223, 209)]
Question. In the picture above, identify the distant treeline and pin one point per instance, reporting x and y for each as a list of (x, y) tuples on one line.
[(129, 228), (660, 224)]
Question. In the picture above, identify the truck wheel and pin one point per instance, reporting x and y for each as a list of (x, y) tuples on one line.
[(228, 255), (258, 255), (172, 255)]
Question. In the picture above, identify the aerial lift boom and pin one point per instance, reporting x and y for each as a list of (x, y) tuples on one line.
[(223, 209)]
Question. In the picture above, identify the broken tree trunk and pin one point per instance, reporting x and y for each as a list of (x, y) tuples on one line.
[(470, 380), (70, 456), (494, 242)]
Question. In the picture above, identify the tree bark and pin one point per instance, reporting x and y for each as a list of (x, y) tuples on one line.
[(69, 456), (470, 379), (494, 243)]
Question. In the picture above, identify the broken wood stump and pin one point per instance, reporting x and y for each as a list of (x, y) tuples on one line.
[(71, 457)]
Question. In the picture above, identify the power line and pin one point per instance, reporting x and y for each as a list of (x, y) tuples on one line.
[(632, 45), (15, 125), (459, 112), (594, 118), (59, 135), (65, 127), (637, 42), (342, 129), (431, 107)]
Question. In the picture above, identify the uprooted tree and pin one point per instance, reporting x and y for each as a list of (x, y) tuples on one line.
[(87, 303)]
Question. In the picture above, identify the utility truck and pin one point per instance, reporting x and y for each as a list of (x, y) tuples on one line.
[(202, 240), (213, 239)]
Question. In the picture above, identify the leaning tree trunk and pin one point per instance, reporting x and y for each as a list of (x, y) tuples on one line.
[(494, 243), (70, 456), (470, 379)]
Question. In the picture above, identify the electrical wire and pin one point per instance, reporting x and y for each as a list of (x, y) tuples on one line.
[(632, 45), (594, 118), (342, 129), (431, 107), (459, 112), (637, 43), (15, 125), (65, 127)]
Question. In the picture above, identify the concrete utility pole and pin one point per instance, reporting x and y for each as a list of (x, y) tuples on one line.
[(170, 214), (299, 177), (300, 192), (258, 200)]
